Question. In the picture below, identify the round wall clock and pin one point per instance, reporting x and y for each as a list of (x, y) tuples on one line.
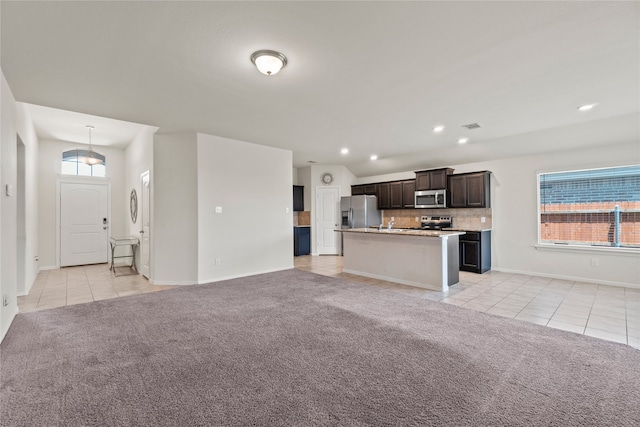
[(133, 205), (327, 178)]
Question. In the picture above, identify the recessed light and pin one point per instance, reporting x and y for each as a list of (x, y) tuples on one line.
[(586, 107), (463, 140), (344, 151), (374, 157), (438, 129)]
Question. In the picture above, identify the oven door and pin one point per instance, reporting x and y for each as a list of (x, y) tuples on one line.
[(431, 199)]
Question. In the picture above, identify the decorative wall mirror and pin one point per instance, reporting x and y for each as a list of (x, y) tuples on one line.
[(133, 205)]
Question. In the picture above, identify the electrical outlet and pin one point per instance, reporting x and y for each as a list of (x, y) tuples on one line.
[(393, 218), (417, 219), (594, 262), (483, 219), (218, 209), (217, 261), (286, 210)]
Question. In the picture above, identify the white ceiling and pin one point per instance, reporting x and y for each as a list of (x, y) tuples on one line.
[(375, 77)]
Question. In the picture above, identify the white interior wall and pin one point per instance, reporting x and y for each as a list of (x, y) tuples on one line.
[(8, 207), (253, 186), (174, 195), (27, 134), (138, 158), (515, 217), (50, 166), (515, 221)]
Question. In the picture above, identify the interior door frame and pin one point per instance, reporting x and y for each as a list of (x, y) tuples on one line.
[(89, 180), (144, 201), (315, 241)]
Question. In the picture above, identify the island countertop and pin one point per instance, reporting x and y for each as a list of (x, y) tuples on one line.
[(424, 258), (403, 232)]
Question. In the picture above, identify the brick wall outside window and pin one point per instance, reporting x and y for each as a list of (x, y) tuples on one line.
[(578, 207)]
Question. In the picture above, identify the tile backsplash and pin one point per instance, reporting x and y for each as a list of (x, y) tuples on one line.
[(461, 218), (302, 218)]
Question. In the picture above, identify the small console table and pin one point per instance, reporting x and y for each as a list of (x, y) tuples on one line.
[(124, 241)]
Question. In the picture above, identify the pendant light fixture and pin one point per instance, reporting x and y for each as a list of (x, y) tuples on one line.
[(268, 62), (91, 158)]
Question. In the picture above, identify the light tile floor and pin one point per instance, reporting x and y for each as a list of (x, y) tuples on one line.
[(76, 285), (608, 312)]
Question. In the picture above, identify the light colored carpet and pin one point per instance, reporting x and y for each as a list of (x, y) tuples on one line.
[(297, 349)]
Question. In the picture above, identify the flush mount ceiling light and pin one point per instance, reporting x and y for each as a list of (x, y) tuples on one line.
[(345, 151), (268, 62), (463, 140), (438, 129), (374, 157), (91, 158), (586, 107)]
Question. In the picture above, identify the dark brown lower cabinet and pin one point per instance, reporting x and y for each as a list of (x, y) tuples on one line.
[(475, 251)]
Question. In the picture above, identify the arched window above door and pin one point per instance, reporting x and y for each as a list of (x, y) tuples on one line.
[(81, 162)]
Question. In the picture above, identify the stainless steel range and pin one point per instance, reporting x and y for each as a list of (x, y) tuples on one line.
[(435, 222)]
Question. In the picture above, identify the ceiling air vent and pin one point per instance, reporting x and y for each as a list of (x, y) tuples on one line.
[(471, 126)]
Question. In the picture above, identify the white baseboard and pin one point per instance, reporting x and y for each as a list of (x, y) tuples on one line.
[(395, 280), (572, 278), (237, 276), (49, 267), (172, 283)]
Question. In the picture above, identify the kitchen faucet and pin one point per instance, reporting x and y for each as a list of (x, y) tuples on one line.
[(390, 224)]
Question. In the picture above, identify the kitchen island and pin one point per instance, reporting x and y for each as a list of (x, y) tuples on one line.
[(424, 258)]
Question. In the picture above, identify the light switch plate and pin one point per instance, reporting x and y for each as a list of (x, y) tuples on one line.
[(218, 209), (9, 190)]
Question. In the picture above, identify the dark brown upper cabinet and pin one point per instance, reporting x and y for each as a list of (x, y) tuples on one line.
[(368, 189), (396, 195), (470, 190), (435, 179), (384, 196), (408, 193)]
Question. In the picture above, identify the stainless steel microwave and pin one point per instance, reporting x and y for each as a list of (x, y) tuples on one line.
[(431, 199)]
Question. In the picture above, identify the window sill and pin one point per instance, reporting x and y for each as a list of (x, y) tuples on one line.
[(589, 249)]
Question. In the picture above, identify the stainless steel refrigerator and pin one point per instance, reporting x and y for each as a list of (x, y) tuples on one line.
[(359, 212)]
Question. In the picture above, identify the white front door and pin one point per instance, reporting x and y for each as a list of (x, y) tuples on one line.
[(145, 234), (84, 224), (327, 214)]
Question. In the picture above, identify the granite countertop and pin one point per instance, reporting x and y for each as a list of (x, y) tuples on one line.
[(403, 232), (466, 229), (302, 226)]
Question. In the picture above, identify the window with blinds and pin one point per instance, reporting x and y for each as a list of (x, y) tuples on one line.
[(597, 207)]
